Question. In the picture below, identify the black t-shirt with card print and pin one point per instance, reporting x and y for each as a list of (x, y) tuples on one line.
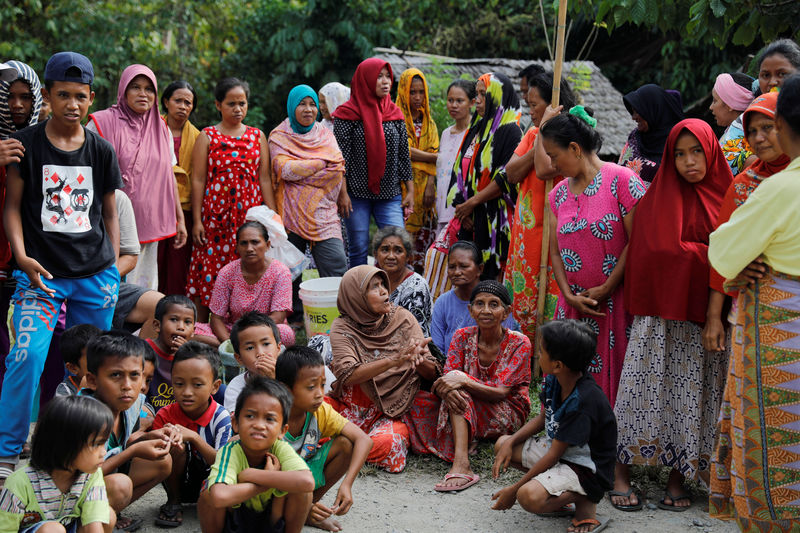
[(586, 422), (62, 203)]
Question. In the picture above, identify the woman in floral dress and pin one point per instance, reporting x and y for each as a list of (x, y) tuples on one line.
[(230, 175)]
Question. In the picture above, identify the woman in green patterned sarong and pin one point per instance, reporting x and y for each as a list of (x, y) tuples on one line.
[(755, 476)]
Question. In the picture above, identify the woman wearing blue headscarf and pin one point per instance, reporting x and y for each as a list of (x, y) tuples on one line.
[(308, 170)]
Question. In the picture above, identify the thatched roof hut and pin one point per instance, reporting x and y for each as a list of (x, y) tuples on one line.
[(613, 121)]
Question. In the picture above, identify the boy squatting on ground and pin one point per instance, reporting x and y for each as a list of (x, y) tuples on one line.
[(204, 424), (133, 465), (302, 369), (574, 461), (61, 221), (256, 344), (173, 323), (62, 488), (258, 483), (73, 349)]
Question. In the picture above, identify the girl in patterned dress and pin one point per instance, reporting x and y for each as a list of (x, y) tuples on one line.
[(230, 175), (671, 387), (589, 237)]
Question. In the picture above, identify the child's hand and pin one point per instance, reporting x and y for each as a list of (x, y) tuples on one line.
[(35, 272), (504, 499), (272, 464), (169, 434), (265, 366), (152, 450), (503, 457), (344, 500), (176, 342), (187, 435), (319, 512)]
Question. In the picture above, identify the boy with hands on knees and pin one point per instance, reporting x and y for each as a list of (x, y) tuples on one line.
[(574, 461), (258, 483), (311, 421)]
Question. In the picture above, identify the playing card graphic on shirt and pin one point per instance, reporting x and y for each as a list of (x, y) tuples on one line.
[(68, 194)]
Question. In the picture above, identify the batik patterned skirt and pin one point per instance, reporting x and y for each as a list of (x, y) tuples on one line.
[(755, 475), (669, 396)]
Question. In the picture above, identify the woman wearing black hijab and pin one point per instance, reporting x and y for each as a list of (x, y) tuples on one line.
[(655, 111)]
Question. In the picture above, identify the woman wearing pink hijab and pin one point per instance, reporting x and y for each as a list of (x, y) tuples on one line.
[(144, 150)]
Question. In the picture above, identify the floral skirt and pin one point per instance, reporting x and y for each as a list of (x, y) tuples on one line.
[(389, 436)]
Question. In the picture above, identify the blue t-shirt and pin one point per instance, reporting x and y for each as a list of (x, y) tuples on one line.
[(586, 422)]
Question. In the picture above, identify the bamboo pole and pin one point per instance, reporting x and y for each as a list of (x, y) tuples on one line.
[(545, 253)]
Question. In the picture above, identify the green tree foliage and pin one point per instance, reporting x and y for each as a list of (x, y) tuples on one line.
[(683, 44), (175, 38), (282, 44)]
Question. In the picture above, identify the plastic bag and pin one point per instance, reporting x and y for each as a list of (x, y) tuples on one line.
[(280, 247)]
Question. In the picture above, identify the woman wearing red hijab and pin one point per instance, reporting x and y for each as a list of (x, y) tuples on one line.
[(671, 387), (371, 133)]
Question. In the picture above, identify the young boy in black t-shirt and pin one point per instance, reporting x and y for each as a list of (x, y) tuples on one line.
[(574, 461), (61, 220)]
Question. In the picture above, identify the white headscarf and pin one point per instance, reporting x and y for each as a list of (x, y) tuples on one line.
[(335, 95), (26, 74)]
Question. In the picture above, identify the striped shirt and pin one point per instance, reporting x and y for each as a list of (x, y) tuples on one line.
[(213, 426), (31, 496)]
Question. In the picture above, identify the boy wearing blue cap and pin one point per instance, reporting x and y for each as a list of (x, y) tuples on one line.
[(61, 220)]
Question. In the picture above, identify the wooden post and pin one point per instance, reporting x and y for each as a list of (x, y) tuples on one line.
[(545, 253)]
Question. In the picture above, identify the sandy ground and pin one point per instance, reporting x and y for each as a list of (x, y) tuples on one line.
[(406, 502)]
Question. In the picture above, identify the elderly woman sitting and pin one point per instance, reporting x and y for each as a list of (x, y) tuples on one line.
[(483, 392), (392, 247), (380, 359)]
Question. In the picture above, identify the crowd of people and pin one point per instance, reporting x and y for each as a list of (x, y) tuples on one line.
[(133, 263)]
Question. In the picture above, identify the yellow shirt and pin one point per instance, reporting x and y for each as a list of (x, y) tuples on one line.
[(767, 224)]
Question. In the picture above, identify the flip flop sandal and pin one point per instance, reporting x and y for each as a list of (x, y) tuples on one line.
[(567, 510), (627, 508), (671, 506), (471, 480), (170, 511), (598, 525), (133, 525)]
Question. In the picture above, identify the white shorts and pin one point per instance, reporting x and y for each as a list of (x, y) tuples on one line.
[(558, 479)]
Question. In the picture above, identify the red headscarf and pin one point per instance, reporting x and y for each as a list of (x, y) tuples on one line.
[(667, 269), (365, 106)]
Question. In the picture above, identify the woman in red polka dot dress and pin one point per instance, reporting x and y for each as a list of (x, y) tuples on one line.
[(230, 175)]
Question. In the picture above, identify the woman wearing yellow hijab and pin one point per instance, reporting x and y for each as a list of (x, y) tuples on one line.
[(423, 146)]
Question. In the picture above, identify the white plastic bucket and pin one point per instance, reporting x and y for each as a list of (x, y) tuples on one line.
[(319, 304)]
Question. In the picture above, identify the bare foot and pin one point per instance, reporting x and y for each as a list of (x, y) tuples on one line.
[(321, 517), (329, 524)]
